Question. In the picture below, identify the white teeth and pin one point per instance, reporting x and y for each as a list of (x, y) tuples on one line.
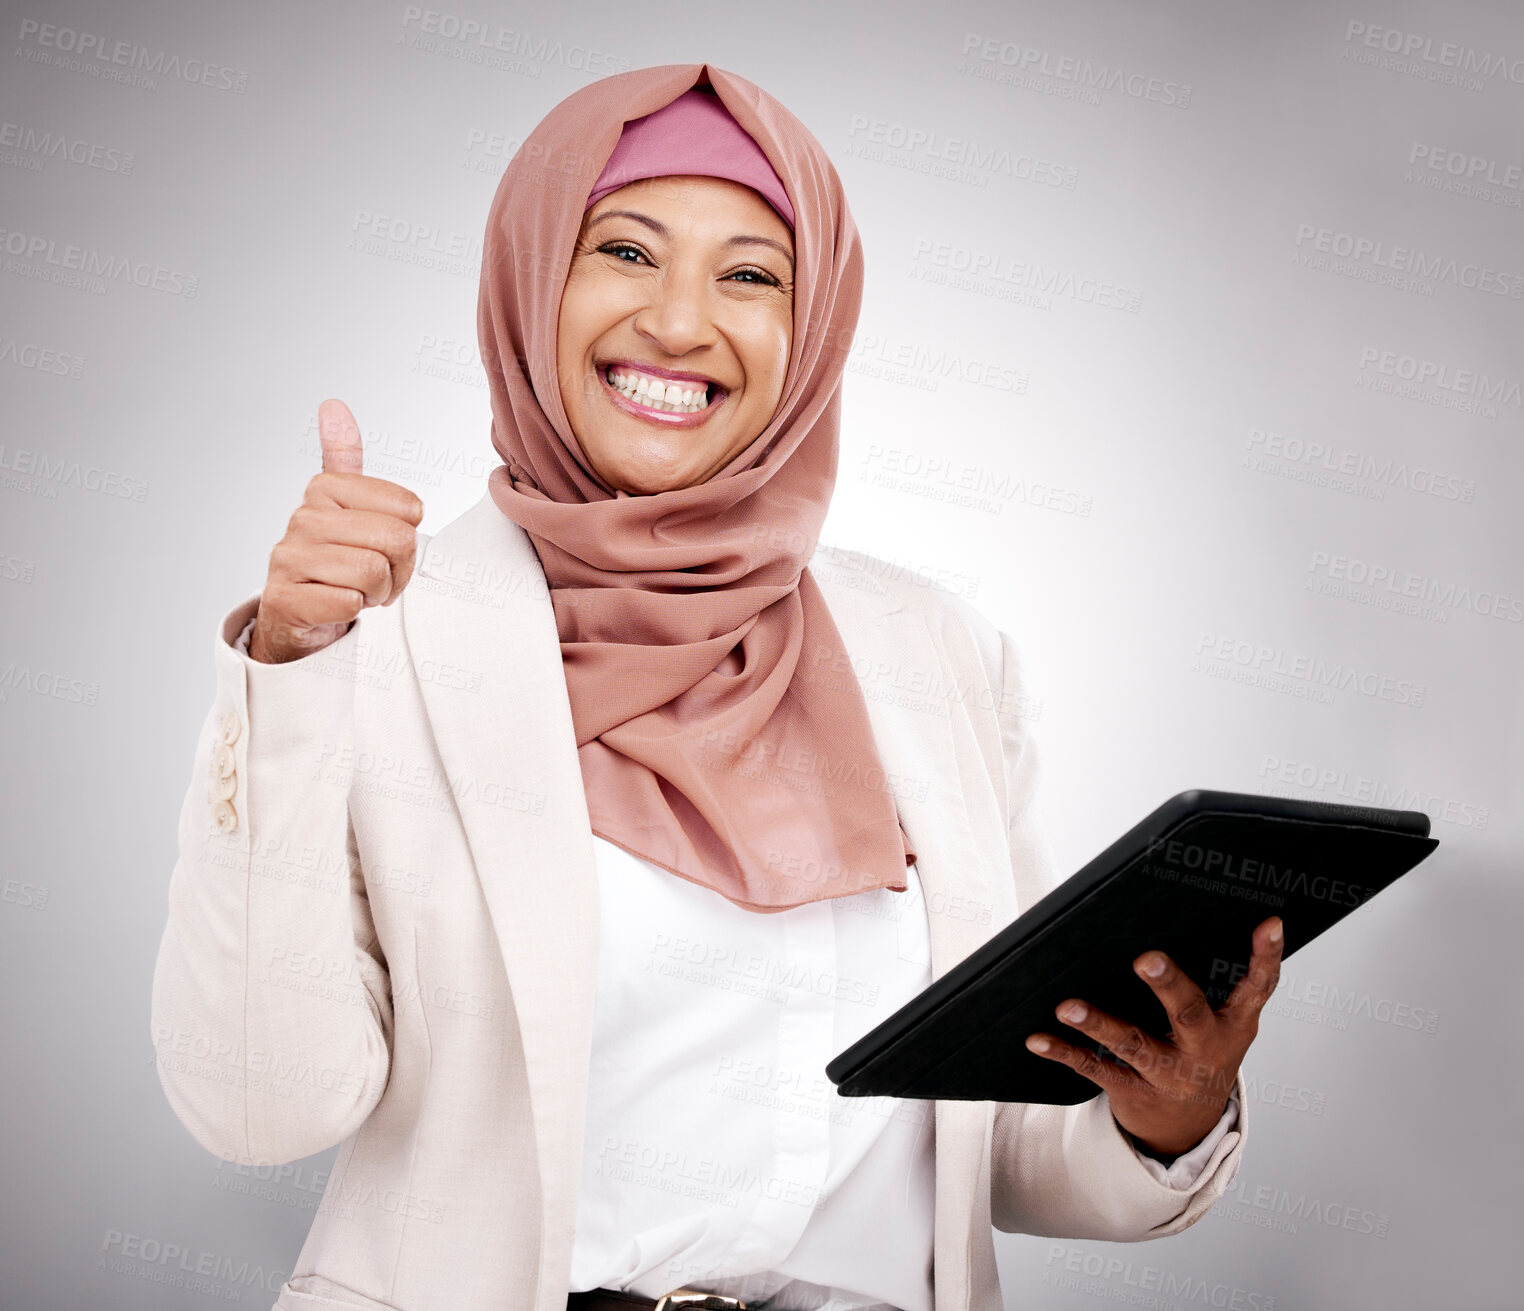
[(658, 394)]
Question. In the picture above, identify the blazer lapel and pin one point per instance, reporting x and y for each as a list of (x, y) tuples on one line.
[(906, 688), (478, 601)]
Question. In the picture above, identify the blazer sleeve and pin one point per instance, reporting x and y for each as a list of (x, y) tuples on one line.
[(1070, 1171), (271, 1012)]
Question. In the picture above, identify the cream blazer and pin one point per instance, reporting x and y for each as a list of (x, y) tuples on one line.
[(383, 924)]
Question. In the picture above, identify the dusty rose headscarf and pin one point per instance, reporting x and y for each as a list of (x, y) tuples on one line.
[(694, 135), (756, 775)]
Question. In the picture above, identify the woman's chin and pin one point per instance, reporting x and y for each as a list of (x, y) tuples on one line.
[(648, 464), (647, 482)]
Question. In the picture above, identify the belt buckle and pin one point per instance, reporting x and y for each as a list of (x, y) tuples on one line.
[(691, 1299)]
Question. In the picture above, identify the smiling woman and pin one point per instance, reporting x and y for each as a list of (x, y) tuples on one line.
[(683, 840), (675, 329)]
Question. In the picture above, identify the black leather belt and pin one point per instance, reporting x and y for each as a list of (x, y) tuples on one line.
[(679, 1299)]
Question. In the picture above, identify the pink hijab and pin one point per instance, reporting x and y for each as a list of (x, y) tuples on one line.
[(754, 774)]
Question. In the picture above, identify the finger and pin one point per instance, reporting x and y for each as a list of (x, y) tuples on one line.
[(339, 434), (358, 491), (312, 605), (1252, 991), (1107, 1074), (353, 526), (1190, 1013), (353, 568), (360, 530), (1142, 1051)]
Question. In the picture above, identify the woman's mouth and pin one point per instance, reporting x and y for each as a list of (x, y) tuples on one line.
[(664, 400)]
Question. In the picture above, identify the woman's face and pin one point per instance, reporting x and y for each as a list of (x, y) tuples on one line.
[(678, 287)]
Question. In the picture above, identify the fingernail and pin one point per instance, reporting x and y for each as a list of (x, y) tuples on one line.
[(1073, 1012), (1037, 1043), (1275, 931), (1153, 966)]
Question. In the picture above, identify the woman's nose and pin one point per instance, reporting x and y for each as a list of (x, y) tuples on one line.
[(679, 317)]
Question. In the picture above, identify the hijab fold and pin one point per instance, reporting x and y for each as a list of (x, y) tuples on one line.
[(715, 733)]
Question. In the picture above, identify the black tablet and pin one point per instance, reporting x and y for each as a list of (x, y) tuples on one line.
[(1192, 880)]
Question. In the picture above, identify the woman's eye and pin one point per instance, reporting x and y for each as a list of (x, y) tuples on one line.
[(621, 249), (756, 275)]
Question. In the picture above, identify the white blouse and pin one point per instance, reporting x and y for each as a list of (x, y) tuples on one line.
[(716, 1152)]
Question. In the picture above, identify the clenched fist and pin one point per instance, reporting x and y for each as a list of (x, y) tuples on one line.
[(351, 543)]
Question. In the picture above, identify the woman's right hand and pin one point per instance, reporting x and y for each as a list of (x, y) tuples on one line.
[(350, 544)]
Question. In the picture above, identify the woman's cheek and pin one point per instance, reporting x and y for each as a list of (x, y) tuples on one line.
[(783, 341)]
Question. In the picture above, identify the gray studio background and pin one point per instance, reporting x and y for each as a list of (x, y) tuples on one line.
[(1191, 354)]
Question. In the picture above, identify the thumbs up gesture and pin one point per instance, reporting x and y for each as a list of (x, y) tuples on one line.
[(351, 543)]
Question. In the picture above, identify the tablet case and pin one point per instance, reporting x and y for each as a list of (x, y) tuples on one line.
[(1192, 879)]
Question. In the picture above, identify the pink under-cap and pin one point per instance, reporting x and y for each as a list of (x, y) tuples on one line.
[(694, 134)]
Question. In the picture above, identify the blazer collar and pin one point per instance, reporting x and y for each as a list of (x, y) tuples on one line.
[(478, 600)]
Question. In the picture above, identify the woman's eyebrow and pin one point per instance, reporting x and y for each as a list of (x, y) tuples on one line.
[(763, 241), (661, 231)]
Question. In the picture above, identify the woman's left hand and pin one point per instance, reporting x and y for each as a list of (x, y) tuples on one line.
[(1171, 1092)]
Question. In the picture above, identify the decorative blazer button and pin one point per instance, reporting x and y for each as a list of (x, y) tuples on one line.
[(223, 761), (231, 727), (224, 817), (225, 789)]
